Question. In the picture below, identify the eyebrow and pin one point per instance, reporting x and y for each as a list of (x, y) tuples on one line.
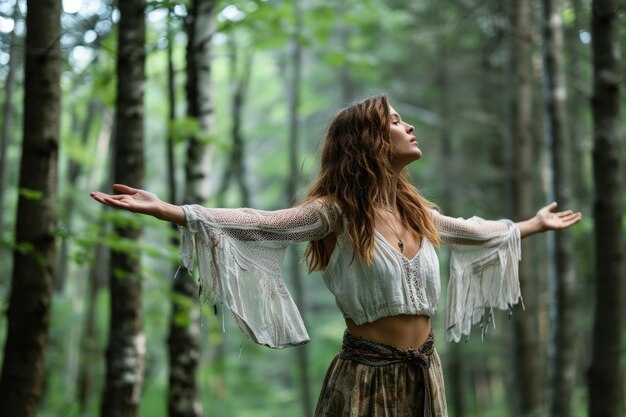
[(396, 115)]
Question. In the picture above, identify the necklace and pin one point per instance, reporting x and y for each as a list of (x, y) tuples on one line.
[(393, 229)]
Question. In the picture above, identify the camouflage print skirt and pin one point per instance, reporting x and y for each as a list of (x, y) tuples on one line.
[(369, 379)]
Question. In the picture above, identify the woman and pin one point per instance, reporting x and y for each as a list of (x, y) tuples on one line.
[(372, 236)]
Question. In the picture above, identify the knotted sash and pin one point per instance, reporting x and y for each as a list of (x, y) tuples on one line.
[(371, 353)]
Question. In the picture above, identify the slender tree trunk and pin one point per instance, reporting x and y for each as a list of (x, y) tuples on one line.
[(184, 337), (239, 82), (199, 100), (97, 278), (74, 170), (578, 106), (527, 352), (562, 280), (606, 376), (455, 369), (6, 136), (345, 75), (34, 260), (184, 349), (127, 343), (302, 353)]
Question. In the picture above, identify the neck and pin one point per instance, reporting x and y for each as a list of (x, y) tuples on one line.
[(389, 202)]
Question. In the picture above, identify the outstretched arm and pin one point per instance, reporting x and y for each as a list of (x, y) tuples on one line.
[(546, 219), (140, 201)]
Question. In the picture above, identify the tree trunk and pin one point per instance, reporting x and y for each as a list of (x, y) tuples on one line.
[(34, 259), (69, 202), (199, 100), (527, 351), (606, 376), (345, 74), (184, 334), (236, 167), (455, 369), (562, 279), (127, 343), (301, 352), (581, 136), (6, 136), (97, 278)]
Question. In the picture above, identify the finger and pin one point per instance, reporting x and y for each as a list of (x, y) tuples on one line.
[(551, 206), (571, 219), (121, 188), (116, 203), (96, 195), (564, 213), (102, 196)]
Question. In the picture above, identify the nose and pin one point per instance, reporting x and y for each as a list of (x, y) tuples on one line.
[(409, 128)]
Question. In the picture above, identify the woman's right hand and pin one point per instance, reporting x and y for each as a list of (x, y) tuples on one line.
[(140, 201)]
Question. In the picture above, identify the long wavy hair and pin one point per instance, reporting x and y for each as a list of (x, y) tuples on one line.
[(356, 174)]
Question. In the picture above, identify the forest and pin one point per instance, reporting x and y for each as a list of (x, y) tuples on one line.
[(225, 104)]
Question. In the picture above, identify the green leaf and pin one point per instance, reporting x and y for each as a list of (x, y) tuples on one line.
[(30, 194)]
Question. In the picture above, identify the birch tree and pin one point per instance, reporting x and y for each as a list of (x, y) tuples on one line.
[(125, 354)]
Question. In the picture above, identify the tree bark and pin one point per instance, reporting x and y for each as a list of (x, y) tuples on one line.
[(562, 279), (346, 79), (527, 351), (184, 335), (199, 100), (301, 352), (74, 170), (7, 134), (605, 375), (236, 167), (97, 278), (455, 370), (126, 349), (35, 256)]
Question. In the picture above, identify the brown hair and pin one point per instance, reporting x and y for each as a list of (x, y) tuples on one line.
[(355, 174)]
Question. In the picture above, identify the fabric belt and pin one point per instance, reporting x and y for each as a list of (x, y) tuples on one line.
[(371, 353)]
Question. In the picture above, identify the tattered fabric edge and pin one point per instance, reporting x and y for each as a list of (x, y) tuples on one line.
[(210, 281), (502, 264)]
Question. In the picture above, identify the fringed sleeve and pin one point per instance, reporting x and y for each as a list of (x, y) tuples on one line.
[(240, 253), (483, 271)]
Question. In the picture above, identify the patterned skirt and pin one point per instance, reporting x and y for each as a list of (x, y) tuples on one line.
[(369, 379)]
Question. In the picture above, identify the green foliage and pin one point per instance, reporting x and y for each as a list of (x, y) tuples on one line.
[(31, 194)]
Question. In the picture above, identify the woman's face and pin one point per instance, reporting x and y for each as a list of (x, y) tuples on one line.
[(405, 146)]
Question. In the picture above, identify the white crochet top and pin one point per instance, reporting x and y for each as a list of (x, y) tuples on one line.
[(240, 254)]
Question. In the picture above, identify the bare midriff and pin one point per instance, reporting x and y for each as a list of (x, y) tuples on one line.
[(402, 331)]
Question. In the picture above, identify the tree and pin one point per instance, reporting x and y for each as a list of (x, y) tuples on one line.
[(562, 280), (126, 349), (199, 100), (293, 93), (606, 377), (183, 340), (7, 116), (239, 81), (34, 255), (527, 352)]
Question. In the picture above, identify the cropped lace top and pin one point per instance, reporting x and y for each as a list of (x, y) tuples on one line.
[(240, 254)]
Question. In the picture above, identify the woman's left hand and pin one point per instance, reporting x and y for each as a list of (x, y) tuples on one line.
[(550, 220)]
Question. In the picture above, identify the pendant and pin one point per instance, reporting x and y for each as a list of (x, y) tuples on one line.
[(401, 245)]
